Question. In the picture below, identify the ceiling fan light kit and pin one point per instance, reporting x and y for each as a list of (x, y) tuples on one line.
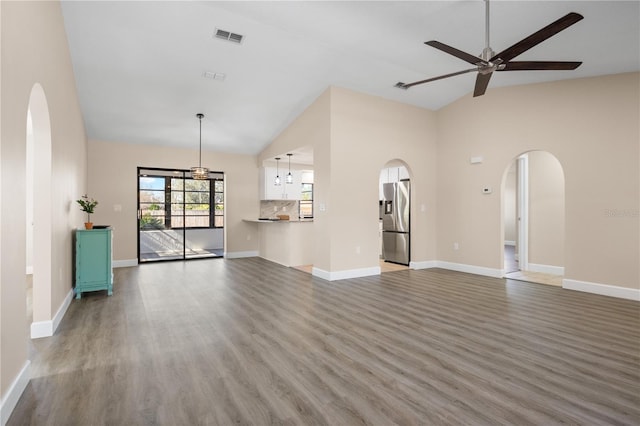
[(489, 61)]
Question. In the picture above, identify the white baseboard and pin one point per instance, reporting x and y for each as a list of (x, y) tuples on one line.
[(471, 269), (546, 269), (29, 270), (48, 328), (14, 392), (509, 243), (602, 289), (346, 274), (124, 263), (240, 254), (424, 264)]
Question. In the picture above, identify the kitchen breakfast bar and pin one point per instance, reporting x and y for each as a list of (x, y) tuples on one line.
[(287, 242)]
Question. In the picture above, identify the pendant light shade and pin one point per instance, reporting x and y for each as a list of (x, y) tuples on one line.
[(289, 178), (277, 181), (200, 173)]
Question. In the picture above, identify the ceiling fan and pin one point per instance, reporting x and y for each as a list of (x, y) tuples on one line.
[(489, 61)]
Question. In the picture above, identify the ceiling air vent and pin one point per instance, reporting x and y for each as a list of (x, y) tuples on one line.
[(228, 36)]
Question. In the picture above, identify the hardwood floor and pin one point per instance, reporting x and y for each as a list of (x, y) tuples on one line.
[(246, 341)]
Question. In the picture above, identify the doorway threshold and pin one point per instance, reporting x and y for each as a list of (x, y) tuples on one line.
[(536, 277)]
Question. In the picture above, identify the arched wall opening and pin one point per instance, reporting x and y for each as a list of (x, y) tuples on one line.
[(395, 212), (533, 218), (39, 210)]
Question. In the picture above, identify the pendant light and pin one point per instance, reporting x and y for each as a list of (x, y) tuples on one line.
[(289, 178), (200, 173), (277, 181)]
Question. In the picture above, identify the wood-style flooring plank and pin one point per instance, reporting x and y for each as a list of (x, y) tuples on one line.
[(249, 342)]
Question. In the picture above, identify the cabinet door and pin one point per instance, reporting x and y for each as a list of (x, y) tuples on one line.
[(307, 176), (268, 189), (293, 191), (93, 261)]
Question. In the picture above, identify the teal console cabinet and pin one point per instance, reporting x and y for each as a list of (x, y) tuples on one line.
[(93, 261)]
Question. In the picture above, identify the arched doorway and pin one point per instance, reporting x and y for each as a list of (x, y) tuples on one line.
[(533, 218), (394, 208), (39, 210)]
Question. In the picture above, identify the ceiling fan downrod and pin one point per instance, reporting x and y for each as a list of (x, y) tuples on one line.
[(487, 53)]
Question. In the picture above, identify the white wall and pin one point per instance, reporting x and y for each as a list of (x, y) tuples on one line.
[(358, 135), (113, 182), (592, 127), (35, 50)]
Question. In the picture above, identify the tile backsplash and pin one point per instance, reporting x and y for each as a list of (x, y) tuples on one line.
[(272, 208)]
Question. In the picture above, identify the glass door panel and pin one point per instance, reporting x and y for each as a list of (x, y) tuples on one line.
[(175, 219)]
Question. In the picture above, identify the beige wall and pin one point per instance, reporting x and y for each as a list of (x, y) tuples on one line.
[(113, 182), (34, 50), (354, 136), (312, 128), (591, 126), (546, 209), (367, 133)]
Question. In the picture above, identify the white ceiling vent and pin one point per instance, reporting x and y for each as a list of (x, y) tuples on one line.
[(228, 36)]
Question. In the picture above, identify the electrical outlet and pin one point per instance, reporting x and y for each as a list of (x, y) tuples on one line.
[(456, 246), (275, 208), (357, 249)]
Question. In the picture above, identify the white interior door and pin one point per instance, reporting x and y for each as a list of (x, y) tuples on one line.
[(523, 212)]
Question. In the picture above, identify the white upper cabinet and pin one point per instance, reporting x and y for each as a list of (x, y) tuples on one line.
[(307, 176), (392, 174), (285, 191)]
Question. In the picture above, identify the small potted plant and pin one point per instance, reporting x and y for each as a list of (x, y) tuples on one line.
[(88, 205)]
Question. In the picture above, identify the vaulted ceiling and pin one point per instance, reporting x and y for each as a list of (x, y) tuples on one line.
[(144, 69)]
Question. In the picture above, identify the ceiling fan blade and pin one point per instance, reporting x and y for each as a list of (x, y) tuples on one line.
[(540, 66), (415, 83), (538, 37), (482, 81), (467, 57)]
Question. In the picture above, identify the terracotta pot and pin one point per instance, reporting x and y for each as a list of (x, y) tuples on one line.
[(88, 225)]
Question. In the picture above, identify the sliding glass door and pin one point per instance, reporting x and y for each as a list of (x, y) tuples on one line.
[(179, 217)]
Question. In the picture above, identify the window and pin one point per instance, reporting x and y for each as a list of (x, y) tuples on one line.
[(190, 203), (306, 201), (218, 202), (152, 206), (170, 202)]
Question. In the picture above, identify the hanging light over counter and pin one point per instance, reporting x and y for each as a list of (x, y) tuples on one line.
[(200, 173), (289, 178), (277, 181)]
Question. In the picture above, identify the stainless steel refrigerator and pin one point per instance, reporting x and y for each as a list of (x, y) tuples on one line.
[(395, 221)]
